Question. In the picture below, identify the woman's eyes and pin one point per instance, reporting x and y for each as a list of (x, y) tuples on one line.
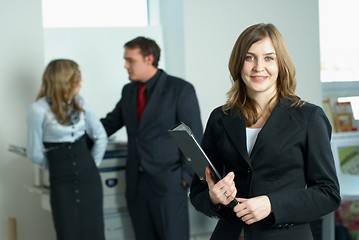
[(269, 58), (251, 58)]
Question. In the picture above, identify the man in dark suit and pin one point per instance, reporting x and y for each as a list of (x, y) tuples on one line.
[(157, 178)]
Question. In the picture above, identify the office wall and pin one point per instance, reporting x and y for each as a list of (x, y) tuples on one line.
[(171, 18), (99, 52), (211, 28), (196, 42), (21, 64)]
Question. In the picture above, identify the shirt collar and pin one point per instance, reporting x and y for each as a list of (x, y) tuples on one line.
[(150, 84)]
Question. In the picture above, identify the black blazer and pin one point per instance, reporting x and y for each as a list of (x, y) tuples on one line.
[(291, 162), (149, 143)]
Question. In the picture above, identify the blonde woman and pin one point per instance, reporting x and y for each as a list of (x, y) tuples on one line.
[(59, 121)]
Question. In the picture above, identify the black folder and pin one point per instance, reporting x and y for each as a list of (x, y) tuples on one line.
[(194, 154), (196, 157)]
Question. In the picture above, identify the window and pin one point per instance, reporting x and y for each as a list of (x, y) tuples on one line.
[(339, 71), (94, 13), (338, 40)]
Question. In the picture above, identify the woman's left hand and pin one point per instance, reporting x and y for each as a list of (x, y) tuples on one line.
[(253, 209)]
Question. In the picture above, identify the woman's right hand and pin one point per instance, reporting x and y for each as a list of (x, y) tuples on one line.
[(223, 191)]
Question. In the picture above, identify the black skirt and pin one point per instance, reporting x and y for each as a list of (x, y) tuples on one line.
[(76, 196)]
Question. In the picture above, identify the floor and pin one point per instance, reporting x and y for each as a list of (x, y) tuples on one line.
[(201, 237)]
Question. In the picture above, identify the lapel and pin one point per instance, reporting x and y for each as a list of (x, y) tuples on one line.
[(235, 128), (151, 110), (278, 120), (132, 106)]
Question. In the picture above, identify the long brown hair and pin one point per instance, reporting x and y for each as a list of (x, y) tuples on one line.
[(59, 82), (238, 98)]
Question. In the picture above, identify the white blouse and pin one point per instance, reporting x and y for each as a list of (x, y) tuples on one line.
[(44, 127), (252, 134)]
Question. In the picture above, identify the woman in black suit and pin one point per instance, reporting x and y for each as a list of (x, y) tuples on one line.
[(272, 148)]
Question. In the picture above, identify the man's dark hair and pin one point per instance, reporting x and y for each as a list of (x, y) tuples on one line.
[(147, 47)]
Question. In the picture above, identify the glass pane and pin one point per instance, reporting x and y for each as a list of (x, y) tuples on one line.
[(338, 40), (94, 13)]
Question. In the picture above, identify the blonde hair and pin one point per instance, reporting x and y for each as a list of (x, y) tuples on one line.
[(59, 81), (286, 81)]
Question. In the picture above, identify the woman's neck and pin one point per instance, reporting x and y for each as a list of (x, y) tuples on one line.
[(264, 109)]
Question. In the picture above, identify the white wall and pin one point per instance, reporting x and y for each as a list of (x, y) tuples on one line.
[(196, 43), (21, 65), (171, 16), (211, 28), (99, 52)]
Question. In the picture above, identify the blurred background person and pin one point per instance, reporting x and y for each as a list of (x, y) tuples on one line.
[(157, 177), (59, 121)]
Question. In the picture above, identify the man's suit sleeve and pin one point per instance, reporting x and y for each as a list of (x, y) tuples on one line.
[(113, 120)]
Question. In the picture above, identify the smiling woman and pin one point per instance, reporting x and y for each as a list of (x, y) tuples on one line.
[(82, 13), (288, 179)]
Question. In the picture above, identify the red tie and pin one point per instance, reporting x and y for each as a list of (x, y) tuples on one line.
[(141, 101)]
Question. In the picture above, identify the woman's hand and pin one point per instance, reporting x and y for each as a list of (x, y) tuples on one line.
[(253, 209), (223, 191)]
